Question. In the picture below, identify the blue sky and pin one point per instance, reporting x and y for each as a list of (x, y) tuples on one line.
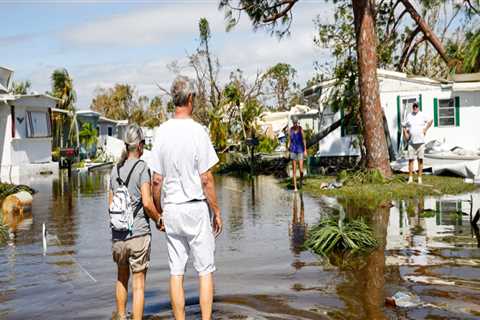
[(105, 42)]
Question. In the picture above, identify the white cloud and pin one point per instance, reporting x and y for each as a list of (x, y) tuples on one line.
[(147, 26), (162, 24)]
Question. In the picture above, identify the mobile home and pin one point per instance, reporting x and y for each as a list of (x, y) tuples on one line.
[(453, 105)]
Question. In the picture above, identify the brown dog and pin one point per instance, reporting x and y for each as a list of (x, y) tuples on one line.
[(15, 208)]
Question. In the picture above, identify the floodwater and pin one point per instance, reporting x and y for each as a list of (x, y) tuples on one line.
[(263, 271)]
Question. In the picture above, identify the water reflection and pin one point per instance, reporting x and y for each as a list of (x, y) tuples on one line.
[(363, 285), (263, 273), (297, 228), (433, 243)]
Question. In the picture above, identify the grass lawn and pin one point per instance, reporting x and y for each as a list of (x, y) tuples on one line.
[(374, 194)]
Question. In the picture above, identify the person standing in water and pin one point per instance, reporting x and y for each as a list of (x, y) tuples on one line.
[(184, 190), (298, 150), (131, 248)]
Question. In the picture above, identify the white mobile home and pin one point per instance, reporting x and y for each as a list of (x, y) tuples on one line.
[(106, 128), (454, 107), (25, 132)]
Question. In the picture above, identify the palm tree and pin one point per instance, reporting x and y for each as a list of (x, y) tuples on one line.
[(471, 61), (88, 136), (21, 87), (62, 88), (218, 129)]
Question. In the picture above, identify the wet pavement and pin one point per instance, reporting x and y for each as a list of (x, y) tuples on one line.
[(263, 271)]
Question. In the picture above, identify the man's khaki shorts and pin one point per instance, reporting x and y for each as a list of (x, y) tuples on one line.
[(134, 252), (416, 150)]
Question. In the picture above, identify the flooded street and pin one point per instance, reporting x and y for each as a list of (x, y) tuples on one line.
[(428, 248)]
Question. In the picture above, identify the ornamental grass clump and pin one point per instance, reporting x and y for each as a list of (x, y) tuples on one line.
[(333, 236), (367, 176), (7, 189)]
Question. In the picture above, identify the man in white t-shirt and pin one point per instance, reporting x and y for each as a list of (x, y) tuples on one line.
[(414, 130), (182, 158)]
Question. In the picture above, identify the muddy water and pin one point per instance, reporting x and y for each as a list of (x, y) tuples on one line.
[(263, 272)]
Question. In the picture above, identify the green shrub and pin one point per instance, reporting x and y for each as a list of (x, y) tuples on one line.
[(333, 236), (56, 154), (267, 145), (428, 214), (78, 165)]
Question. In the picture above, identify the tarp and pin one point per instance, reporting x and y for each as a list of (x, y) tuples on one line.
[(466, 169), (463, 168)]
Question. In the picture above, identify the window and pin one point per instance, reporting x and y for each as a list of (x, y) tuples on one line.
[(351, 129), (407, 105), (446, 112), (38, 124), (110, 131), (449, 205)]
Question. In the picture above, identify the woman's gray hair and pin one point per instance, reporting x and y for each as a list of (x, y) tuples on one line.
[(182, 88), (133, 137)]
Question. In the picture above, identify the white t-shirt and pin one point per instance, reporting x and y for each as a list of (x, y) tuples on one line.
[(182, 151), (415, 123)]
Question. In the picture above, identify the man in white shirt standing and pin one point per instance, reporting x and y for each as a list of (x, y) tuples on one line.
[(414, 130), (182, 158)]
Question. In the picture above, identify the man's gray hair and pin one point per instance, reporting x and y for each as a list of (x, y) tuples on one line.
[(182, 88), (133, 137)]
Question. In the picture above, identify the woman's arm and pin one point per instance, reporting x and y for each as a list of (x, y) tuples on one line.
[(288, 139), (157, 181), (304, 142), (148, 204), (110, 197)]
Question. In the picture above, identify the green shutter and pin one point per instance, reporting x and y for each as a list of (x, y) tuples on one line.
[(342, 123), (457, 111), (435, 112), (399, 123), (420, 101)]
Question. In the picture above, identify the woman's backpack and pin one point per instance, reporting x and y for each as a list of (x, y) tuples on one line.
[(121, 209)]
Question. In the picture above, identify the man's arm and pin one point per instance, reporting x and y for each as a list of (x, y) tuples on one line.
[(208, 185), (157, 181), (429, 124), (406, 134)]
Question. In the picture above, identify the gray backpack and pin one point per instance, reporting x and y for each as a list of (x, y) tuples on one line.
[(121, 209)]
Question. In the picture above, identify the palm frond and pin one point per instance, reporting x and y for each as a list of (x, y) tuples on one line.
[(332, 236)]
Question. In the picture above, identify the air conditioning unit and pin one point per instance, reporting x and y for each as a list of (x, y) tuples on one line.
[(5, 78)]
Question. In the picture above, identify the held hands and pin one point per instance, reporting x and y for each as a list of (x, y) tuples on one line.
[(305, 152), (159, 224), (217, 224)]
